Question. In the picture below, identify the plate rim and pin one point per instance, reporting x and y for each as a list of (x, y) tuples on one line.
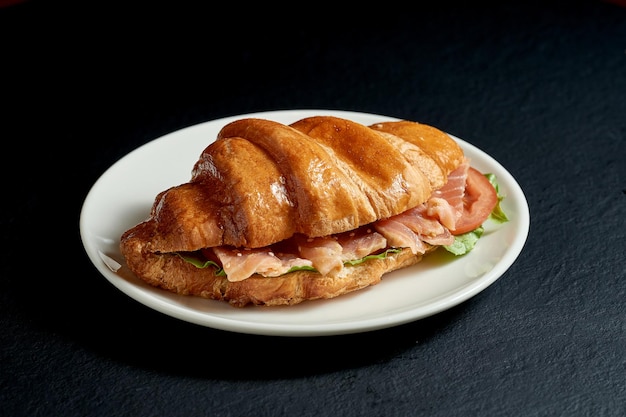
[(161, 304)]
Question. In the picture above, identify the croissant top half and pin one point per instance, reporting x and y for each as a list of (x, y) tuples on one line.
[(262, 181)]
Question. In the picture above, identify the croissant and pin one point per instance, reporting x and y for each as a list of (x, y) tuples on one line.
[(277, 214)]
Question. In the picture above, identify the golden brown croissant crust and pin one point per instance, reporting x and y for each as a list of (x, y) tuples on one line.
[(261, 181)]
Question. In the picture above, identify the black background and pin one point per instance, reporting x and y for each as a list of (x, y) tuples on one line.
[(540, 86)]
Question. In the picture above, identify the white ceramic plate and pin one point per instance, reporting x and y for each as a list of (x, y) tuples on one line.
[(123, 195)]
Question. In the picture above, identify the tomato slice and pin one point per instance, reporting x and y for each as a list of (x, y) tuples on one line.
[(479, 201)]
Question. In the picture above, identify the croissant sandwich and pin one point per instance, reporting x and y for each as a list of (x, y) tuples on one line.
[(277, 214)]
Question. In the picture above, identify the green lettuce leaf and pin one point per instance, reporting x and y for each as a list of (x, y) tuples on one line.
[(202, 263), (301, 268), (381, 255), (465, 242), (497, 215)]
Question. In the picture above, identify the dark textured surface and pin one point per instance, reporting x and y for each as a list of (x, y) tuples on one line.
[(541, 87)]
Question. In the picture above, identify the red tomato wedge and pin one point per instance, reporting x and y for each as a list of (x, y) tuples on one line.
[(479, 201)]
